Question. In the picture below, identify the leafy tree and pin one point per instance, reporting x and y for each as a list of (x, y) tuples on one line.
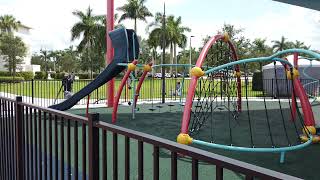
[(69, 60), (68, 63), (218, 54), (145, 52), (38, 59), (13, 49), (259, 48), (136, 10), (8, 23)]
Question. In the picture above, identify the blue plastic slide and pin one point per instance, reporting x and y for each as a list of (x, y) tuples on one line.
[(126, 48)]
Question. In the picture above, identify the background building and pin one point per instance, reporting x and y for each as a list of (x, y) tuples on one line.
[(24, 33)]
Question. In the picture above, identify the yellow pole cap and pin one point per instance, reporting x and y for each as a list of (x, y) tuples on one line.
[(295, 73), (237, 74), (309, 129), (184, 139), (131, 67), (147, 68), (226, 37), (196, 71)]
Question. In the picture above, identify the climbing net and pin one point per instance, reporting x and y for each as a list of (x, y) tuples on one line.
[(217, 91), (220, 114)]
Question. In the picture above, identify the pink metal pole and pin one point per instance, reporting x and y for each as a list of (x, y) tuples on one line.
[(116, 100), (304, 100), (193, 83), (139, 86), (109, 56)]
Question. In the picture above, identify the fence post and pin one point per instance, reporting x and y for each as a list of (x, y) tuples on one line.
[(32, 90), (19, 136), (273, 95), (93, 147)]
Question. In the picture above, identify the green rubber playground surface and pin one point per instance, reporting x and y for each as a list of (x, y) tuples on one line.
[(165, 122)]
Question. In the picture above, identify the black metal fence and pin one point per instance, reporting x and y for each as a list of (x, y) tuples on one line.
[(48, 92), (40, 143)]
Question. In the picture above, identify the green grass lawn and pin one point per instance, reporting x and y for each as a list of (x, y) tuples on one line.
[(150, 89)]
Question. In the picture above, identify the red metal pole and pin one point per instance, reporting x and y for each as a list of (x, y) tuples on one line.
[(110, 26), (116, 100), (139, 85), (304, 100), (193, 82)]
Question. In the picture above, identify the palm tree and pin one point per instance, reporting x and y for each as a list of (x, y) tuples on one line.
[(177, 36), (174, 35), (300, 44), (8, 23), (136, 10), (280, 45), (92, 31), (153, 42), (44, 55)]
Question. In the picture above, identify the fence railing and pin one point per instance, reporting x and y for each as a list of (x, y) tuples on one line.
[(41, 143), (47, 92)]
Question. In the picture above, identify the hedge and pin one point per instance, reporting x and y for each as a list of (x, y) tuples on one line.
[(27, 75), (86, 75), (257, 83), (7, 79), (57, 75), (41, 75)]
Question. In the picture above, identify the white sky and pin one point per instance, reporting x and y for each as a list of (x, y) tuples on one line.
[(52, 20)]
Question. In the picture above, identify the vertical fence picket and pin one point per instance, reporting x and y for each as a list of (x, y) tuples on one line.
[(115, 156), (104, 155), (19, 139), (93, 143), (174, 166), (75, 139), (127, 158), (140, 160)]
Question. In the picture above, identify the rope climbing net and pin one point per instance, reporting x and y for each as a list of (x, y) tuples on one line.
[(215, 92), (219, 115)]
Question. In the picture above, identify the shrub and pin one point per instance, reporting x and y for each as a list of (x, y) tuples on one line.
[(257, 83), (53, 75), (27, 75), (7, 79), (83, 75), (41, 75), (95, 75), (5, 73), (57, 75)]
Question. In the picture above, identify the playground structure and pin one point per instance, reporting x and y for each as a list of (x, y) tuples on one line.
[(215, 90), (218, 90), (155, 104), (205, 100), (123, 52)]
